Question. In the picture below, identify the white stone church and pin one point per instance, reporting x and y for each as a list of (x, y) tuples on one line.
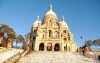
[(51, 35)]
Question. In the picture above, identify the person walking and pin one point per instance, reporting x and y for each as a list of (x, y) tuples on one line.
[(83, 52)]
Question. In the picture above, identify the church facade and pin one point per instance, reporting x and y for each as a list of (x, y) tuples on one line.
[(51, 35)]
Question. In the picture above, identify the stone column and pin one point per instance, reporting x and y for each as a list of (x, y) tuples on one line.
[(62, 46), (36, 46), (45, 47), (52, 46)]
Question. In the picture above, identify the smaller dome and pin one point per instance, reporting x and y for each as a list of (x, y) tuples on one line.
[(63, 22), (36, 22)]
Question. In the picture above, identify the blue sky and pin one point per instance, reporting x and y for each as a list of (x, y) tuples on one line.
[(82, 16)]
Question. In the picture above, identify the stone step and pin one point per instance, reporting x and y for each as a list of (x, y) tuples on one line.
[(55, 57)]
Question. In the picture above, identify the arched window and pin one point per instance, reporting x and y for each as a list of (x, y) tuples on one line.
[(64, 31), (65, 39), (61, 34), (68, 34), (49, 33), (43, 35), (56, 34)]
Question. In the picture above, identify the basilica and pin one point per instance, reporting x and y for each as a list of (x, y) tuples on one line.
[(51, 35)]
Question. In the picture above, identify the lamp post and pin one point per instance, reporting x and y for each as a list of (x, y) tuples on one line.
[(81, 39)]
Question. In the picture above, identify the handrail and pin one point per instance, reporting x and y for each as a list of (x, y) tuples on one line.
[(14, 58)]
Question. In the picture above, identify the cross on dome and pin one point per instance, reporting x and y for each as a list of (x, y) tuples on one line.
[(50, 7), (63, 18)]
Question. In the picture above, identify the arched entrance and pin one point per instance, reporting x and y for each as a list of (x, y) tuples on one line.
[(41, 47), (49, 47), (57, 47)]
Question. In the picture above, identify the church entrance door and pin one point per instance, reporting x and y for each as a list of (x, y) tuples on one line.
[(41, 47), (49, 47), (57, 47)]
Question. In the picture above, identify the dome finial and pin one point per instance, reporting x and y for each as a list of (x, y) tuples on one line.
[(50, 7), (37, 17), (63, 22), (63, 18)]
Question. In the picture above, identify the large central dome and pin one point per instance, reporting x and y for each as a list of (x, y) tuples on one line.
[(50, 11), (50, 16)]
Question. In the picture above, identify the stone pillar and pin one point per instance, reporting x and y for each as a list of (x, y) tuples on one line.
[(36, 47), (61, 47), (45, 46), (68, 45), (67, 48), (52, 46)]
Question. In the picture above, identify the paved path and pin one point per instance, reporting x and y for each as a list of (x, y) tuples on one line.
[(55, 57)]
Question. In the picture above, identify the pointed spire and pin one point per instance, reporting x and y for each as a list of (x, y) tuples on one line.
[(63, 18), (50, 7)]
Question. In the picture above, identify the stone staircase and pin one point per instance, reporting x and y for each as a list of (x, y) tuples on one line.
[(9, 55), (55, 57)]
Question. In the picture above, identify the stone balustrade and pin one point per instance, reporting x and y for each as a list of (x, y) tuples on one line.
[(2, 49), (10, 55), (13, 59)]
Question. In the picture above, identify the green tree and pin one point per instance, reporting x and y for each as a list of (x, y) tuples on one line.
[(8, 34), (20, 39), (89, 43), (96, 42)]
